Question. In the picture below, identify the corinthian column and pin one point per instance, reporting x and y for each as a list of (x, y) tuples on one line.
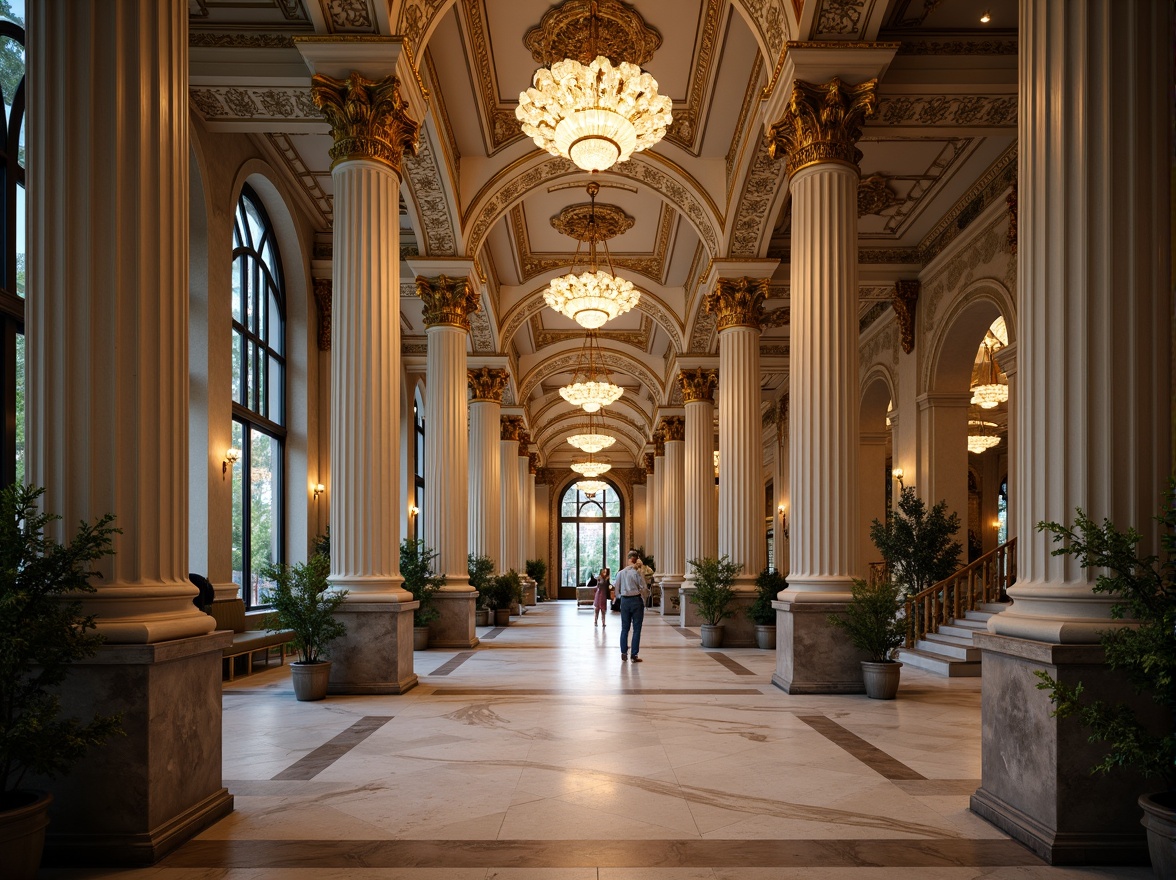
[(448, 304), (371, 130), (701, 527), (108, 411), (522, 481), (673, 430), (1093, 402), (738, 304), (817, 137), (485, 526), (508, 498)]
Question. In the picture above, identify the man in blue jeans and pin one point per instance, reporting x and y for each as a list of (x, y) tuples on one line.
[(630, 587)]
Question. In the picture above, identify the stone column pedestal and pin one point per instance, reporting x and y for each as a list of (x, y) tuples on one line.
[(375, 657), (816, 658), (1037, 786), (167, 767), (455, 626)]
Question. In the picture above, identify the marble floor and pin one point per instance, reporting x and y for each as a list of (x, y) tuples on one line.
[(541, 756)]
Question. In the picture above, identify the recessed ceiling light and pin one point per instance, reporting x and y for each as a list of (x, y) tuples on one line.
[(986, 17)]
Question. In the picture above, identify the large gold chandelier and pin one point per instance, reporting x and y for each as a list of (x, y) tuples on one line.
[(596, 113), (982, 435), (591, 487), (990, 391), (590, 440), (590, 388), (591, 468), (595, 296)]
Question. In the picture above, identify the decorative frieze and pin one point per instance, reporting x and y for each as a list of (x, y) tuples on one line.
[(322, 299), (822, 123), (487, 383), (875, 195), (698, 384), (448, 301), (648, 459), (906, 297), (369, 120), (737, 302), (673, 428)]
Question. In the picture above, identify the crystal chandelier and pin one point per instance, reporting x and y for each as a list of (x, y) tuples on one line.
[(596, 114), (590, 468), (590, 440), (590, 393), (981, 435), (594, 297), (591, 487), (991, 391)]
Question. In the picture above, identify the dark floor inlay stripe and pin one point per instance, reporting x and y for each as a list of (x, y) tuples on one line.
[(926, 787), (687, 633), (737, 668), (449, 665), (692, 853), (533, 692), (311, 765), (493, 634), (873, 757)]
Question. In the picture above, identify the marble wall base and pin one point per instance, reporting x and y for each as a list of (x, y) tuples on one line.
[(375, 656), (530, 592), (140, 796), (669, 601), (813, 657), (1036, 784), (455, 627)]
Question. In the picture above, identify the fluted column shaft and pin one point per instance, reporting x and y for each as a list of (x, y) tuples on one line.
[(657, 513), (1093, 404), (107, 308), (508, 501), (823, 385), (523, 482), (701, 535), (674, 497), (531, 516), (447, 454), (741, 485), (485, 524)]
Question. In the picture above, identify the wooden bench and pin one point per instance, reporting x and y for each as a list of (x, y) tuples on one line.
[(230, 614), (585, 596)]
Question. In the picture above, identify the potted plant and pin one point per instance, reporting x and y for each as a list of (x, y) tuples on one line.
[(871, 621), (481, 571), (1145, 592), (416, 567), (713, 595), (42, 632), (918, 544), (500, 592), (537, 571), (516, 586), (303, 603), (768, 584)]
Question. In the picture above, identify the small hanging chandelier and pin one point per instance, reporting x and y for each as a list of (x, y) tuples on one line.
[(594, 297), (594, 389), (591, 440), (591, 487), (596, 114), (591, 468), (991, 391), (981, 435)]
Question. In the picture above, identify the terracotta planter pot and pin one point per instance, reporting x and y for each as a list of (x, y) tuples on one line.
[(420, 638), (1159, 818), (22, 834), (765, 637), (502, 617), (712, 636), (310, 679), (881, 679), (482, 617)]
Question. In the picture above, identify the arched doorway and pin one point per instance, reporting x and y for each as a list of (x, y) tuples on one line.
[(590, 530)]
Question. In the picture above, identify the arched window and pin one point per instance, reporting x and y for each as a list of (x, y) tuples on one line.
[(259, 383), (590, 534), (12, 254), (418, 461), (1002, 512)]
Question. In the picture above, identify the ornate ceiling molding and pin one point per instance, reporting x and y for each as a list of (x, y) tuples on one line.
[(198, 39), (228, 104), (875, 195), (765, 181), (606, 418), (349, 16), (954, 111), (553, 435), (639, 339), (958, 47), (432, 206), (303, 177), (746, 117), (586, 222), (841, 19), (686, 129), (614, 360)]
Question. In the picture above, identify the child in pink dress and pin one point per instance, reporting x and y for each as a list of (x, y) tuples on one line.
[(600, 600)]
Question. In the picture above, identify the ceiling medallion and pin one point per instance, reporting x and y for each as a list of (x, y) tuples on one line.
[(591, 104), (593, 297), (591, 487), (590, 388), (578, 222)]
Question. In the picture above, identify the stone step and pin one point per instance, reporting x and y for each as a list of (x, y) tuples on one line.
[(949, 647), (993, 607), (962, 632), (939, 664), (970, 622)]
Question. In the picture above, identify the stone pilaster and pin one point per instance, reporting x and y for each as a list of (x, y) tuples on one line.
[(371, 131), (107, 332), (1094, 320), (448, 303), (508, 499), (818, 139), (485, 527)]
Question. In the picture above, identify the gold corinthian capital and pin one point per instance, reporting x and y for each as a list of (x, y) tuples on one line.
[(369, 120), (698, 384), (737, 302), (648, 460), (486, 383), (822, 123), (673, 428), (448, 301)]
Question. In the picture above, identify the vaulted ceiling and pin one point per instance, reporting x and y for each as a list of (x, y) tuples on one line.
[(940, 148)]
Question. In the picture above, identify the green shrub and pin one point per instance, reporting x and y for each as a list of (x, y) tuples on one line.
[(481, 572), (302, 604), (871, 619), (712, 594), (416, 567), (768, 585)]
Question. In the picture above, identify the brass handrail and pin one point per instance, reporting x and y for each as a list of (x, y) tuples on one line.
[(985, 580)]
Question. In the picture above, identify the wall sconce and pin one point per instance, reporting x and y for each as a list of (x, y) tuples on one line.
[(996, 525), (783, 510), (897, 474), (413, 510), (319, 489), (232, 456)]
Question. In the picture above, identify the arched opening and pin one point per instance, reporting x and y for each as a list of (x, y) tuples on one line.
[(875, 454), (590, 533)]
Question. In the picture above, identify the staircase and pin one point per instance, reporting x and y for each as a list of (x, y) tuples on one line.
[(942, 619)]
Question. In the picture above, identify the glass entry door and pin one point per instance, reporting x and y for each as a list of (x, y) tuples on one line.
[(590, 537)]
